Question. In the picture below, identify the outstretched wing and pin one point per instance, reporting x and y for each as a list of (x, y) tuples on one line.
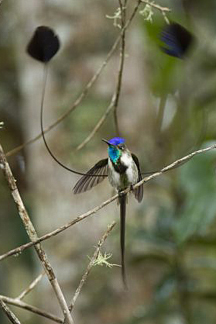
[(138, 192), (90, 179)]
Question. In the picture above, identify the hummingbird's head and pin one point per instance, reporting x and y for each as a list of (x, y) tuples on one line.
[(116, 147)]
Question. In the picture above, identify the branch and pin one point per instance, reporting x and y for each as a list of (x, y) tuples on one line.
[(90, 265), (156, 6), (115, 98), (99, 123), (174, 165), (30, 230), (9, 313), (21, 304), (148, 10), (84, 92), (121, 65), (171, 166), (31, 286)]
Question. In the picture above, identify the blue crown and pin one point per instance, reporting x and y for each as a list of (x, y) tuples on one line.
[(116, 141)]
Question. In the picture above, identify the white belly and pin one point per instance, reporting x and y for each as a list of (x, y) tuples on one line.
[(132, 174), (113, 176), (122, 181)]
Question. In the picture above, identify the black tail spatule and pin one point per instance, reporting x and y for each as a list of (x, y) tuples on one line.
[(176, 40), (44, 44)]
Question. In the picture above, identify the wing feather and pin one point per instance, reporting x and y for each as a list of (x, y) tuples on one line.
[(92, 181), (138, 192), (93, 177)]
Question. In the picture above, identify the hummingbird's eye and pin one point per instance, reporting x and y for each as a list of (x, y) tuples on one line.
[(121, 147)]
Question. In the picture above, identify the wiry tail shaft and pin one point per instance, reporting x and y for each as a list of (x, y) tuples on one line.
[(122, 201)]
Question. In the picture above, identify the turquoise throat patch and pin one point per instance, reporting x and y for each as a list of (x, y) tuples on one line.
[(114, 153)]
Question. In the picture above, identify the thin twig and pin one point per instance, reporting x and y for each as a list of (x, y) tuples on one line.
[(9, 313), (115, 97), (90, 265), (31, 286), (30, 230), (99, 123), (156, 6), (121, 65), (171, 166), (84, 92), (174, 165), (21, 304)]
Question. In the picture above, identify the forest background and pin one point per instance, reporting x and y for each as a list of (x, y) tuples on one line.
[(165, 110)]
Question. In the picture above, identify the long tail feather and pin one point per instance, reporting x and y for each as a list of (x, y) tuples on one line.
[(122, 201)]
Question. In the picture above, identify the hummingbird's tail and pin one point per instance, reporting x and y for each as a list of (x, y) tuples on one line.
[(122, 201)]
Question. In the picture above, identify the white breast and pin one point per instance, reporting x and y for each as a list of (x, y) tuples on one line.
[(120, 181), (127, 159), (132, 172), (114, 177)]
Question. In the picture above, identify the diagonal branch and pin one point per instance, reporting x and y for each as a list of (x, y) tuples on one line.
[(175, 165), (171, 166), (33, 309), (31, 286), (30, 230), (9, 313), (156, 6), (99, 123)]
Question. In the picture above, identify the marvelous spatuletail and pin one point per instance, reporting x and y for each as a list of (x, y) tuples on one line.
[(123, 171), (122, 166)]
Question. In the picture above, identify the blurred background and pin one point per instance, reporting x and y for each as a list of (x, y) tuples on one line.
[(166, 110)]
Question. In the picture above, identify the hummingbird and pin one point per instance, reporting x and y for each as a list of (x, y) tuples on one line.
[(121, 166), (123, 171)]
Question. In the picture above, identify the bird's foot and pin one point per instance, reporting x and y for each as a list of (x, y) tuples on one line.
[(121, 193)]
